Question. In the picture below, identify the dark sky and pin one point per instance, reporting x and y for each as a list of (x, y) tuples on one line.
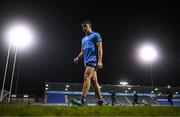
[(123, 25)]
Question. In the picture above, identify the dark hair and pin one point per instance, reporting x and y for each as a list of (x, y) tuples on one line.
[(87, 22)]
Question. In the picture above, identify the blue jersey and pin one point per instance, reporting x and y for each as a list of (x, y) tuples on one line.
[(89, 47)]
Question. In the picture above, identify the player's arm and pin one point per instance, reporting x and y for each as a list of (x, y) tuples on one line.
[(100, 54), (79, 57)]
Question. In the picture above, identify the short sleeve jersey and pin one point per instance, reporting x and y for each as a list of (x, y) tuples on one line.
[(89, 47)]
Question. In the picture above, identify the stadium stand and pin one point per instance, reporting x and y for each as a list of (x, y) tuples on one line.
[(57, 92)]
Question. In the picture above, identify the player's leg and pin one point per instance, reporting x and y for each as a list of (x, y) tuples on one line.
[(134, 102), (97, 90), (112, 101), (170, 101), (96, 86), (89, 71), (115, 100)]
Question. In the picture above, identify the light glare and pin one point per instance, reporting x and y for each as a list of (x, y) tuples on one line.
[(124, 83), (67, 86), (19, 34), (147, 53)]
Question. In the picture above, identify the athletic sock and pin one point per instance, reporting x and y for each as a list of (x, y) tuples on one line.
[(100, 99), (82, 97)]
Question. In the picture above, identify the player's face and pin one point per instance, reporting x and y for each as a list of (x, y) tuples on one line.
[(86, 28)]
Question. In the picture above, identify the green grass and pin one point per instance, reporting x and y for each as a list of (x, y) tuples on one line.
[(32, 110)]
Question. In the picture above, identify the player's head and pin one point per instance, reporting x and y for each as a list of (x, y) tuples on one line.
[(87, 26)]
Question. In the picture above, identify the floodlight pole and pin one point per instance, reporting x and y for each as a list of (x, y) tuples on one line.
[(5, 72), (12, 76), (152, 83), (19, 66)]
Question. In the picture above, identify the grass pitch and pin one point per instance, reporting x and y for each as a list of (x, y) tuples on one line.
[(34, 110)]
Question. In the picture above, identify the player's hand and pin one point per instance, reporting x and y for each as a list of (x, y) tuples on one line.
[(76, 60), (100, 65)]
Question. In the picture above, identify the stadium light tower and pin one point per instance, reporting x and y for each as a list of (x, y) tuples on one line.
[(19, 35), (148, 54)]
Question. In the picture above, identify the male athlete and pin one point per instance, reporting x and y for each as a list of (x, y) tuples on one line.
[(113, 97), (135, 98), (169, 95), (92, 51)]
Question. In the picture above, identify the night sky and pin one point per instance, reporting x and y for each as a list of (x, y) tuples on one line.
[(123, 26)]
